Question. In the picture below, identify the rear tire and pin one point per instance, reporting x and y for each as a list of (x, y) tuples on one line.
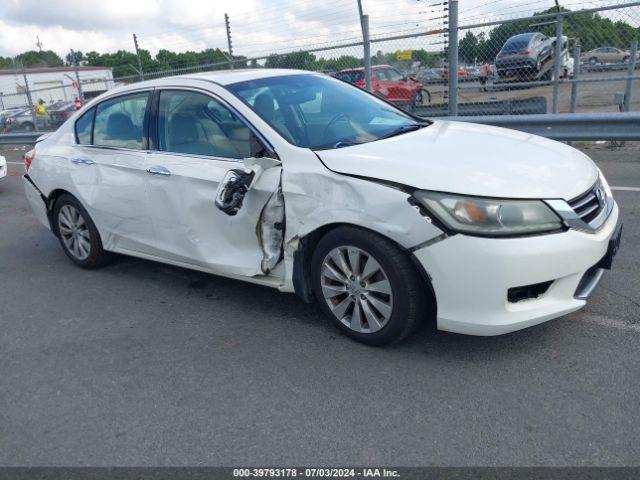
[(593, 61), (371, 291), (77, 233)]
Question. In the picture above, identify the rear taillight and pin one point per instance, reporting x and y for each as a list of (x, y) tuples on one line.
[(526, 52), (28, 159)]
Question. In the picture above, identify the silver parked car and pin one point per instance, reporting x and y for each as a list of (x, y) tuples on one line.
[(605, 55)]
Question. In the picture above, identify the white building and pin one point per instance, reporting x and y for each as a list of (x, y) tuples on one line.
[(52, 84)]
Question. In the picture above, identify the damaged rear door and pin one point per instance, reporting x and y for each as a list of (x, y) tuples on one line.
[(214, 192)]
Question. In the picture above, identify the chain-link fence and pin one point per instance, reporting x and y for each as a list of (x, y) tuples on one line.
[(570, 57), (45, 98)]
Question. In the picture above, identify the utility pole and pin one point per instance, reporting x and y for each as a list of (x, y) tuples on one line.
[(557, 64), (75, 69), (140, 72), (366, 46), (453, 58), (226, 22), (367, 52), (29, 99)]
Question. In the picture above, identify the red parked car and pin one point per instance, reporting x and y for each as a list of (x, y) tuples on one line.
[(388, 83), (462, 74)]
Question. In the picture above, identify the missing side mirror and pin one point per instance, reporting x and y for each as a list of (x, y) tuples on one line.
[(232, 190), (237, 182)]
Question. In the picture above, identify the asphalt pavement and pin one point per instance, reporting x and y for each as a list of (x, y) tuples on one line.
[(145, 364)]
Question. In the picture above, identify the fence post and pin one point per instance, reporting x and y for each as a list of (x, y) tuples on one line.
[(632, 66), (226, 22), (135, 43), (29, 99), (367, 52), (576, 75), (75, 69), (453, 58), (557, 63)]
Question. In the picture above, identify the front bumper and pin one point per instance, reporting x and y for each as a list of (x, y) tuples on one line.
[(471, 277)]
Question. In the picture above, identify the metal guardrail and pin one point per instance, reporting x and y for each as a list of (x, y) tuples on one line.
[(526, 106), (621, 126), (22, 138)]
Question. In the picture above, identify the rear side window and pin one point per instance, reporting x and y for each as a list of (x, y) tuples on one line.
[(84, 126), (515, 46), (120, 122)]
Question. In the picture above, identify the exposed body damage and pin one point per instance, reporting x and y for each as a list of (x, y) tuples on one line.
[(271, 230), (317, 199)]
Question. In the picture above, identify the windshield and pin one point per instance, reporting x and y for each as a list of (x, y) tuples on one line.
[(318, 112)]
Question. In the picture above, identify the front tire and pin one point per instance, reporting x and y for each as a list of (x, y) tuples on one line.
[(77, 233), (367, 286), (419, 97)]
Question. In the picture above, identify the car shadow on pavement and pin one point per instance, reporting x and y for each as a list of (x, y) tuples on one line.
[(275, 310)]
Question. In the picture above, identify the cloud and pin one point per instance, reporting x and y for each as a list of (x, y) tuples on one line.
[(258, 26)]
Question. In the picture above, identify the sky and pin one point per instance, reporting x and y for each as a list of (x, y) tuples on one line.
[(258, 27)]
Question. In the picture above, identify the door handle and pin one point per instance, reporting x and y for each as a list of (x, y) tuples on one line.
[(158, 170), (82, 161)]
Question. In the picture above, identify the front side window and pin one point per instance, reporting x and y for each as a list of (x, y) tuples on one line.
[(84, 126), (314, 111), (194, 123), (120, 122)]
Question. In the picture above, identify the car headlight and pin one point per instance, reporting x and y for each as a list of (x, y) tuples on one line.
[(491, 217)]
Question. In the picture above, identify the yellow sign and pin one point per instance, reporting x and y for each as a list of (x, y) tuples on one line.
[(403, 55)]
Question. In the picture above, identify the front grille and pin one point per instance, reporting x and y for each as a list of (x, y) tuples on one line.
[(590, 204)]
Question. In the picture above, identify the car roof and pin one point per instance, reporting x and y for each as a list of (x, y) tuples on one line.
[(226, 77), (522, 36), (361, 69)]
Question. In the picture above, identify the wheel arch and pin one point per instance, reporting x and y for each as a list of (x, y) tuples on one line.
[(301, 276), (52, 198)]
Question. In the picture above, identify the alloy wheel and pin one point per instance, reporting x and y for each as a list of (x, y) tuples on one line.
[(356, 289), (74, 232)]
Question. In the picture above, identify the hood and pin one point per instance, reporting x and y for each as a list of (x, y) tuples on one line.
[(470, 159)]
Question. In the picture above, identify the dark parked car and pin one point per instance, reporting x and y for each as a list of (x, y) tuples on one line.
[(59, 114), (524, 53), (429, 76)]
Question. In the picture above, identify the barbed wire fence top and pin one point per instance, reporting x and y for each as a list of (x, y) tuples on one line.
[(508, 58)]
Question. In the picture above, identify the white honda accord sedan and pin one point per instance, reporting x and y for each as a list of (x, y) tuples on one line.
[(301, 182)]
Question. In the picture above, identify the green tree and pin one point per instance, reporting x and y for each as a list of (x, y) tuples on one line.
[(76, 58), (45, 58), (301, 60)]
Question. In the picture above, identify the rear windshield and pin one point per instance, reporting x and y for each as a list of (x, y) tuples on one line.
[(351, 77), (515, 46)]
